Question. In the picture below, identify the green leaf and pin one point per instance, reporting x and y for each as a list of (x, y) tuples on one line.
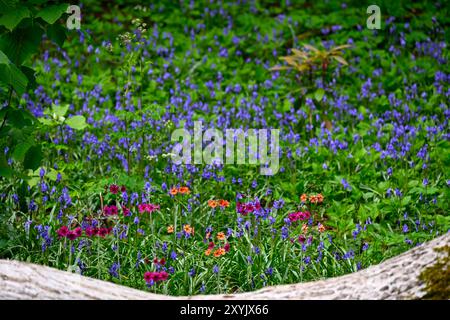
[(22, 42), (12, 17), (20, 151), (6, 5), (318, 95), (16, 119), (60, 111), (33, 181), (286, 105), (52, 13), (5, 170), (406, 200), (30, 74), (57, 34), (33, 157), (77, 122), (11, 75), (46, 121)]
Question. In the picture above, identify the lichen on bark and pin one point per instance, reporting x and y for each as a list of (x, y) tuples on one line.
[(437, 276)]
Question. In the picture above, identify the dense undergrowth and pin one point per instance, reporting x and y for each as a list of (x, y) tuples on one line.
[(364, 161)]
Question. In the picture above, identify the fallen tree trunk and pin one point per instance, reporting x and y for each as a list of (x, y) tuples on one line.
[(396, 278)]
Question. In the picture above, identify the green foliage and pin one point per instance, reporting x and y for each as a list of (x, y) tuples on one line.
[(24, 23), (12, 75)]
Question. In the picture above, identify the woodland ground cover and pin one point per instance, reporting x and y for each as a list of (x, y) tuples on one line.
[(364, 142)]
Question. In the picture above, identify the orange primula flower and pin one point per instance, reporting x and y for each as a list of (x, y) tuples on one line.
[(304, 228), (207, 252), (212, 203), (187, 228), (173, 191), (221, 236), (313, 199), (224, 203), (319, 198), (303, 197), (321, 227), (170, 229), (184, 190), (219, 252)]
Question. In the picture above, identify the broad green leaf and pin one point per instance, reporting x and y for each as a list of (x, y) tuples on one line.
[(12, 17), (33, 157), (52, 13), (20, 151), (21, 43), (11, 75), (33, 181), (5, 170), (6, 5), (57, 34), (287, 105), (60, 111), (45, 121), (77, 122), (30, 74), (16, 118), (318, 95)]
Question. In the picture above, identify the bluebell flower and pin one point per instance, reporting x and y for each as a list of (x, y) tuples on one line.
[(346, 185), (405, 228)]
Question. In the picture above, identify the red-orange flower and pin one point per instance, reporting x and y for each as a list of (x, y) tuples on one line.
[(208, 252), (224, 203), (221, 236), (219, 252), (212, 203), (184, 190), (173, 191), (170, 229), (319, 198), (303, 197)]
